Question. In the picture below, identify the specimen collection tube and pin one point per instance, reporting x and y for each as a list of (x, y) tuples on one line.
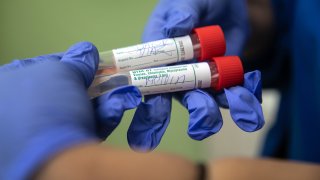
[(221, 72), (202, 44)]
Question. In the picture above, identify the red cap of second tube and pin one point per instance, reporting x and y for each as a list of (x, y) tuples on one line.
[(230, 71), (212, 42)]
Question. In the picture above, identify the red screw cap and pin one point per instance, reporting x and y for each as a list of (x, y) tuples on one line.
[(212, 42), (230, 71)]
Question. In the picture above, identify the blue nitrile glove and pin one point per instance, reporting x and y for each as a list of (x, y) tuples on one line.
[(45, 109), (173, 18)]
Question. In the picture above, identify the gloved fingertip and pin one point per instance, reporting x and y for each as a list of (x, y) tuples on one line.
[(252, 81), (245, 109), (199, 132), (202, 133), (145, 137), (249, 126), (144, 147), (150, 122), (84, 58), (205, 117)]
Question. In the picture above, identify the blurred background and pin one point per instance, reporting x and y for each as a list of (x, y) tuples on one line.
[(36, 27)]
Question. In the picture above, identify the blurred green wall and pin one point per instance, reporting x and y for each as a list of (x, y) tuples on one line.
[(35, 27)]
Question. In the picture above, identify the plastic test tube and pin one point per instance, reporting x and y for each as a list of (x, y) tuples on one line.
[(220, 73), (203, 44)]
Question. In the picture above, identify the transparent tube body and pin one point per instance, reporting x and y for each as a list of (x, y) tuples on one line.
[(160, 80), (151, 54)]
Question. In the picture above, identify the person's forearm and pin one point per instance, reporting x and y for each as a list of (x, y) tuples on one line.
[(93, 161), (262, 169)]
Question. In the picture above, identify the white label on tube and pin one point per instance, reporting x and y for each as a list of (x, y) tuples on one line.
[(154, 53), (172, 78)]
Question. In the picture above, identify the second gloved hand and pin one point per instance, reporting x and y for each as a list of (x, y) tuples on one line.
[(173, 18)]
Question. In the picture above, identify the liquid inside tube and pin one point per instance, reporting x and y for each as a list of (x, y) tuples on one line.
[(107, 64), (103, 84)]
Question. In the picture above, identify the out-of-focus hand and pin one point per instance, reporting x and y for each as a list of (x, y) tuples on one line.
[(173, 18), (45, 109)]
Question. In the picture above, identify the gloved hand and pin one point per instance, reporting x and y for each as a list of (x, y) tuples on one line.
[(45, 109), (173, 18)]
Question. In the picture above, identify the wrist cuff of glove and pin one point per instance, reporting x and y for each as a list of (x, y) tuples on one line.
[(42, 147)]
